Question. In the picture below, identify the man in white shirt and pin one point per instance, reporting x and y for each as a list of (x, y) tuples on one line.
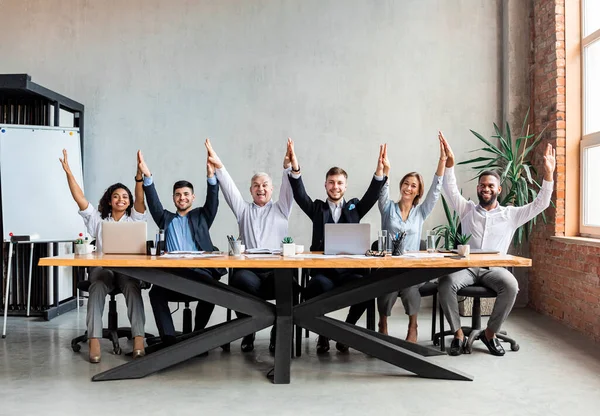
[(491, 227), (262, 224)]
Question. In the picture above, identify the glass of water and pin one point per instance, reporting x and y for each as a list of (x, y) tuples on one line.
[(382, 240), (430, 242)]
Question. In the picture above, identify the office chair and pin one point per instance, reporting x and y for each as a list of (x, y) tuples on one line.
[(113, 332), (476, 292)]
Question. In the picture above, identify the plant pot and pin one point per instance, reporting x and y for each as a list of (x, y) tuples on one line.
[(84, 248), (288, 249), (464, 250)]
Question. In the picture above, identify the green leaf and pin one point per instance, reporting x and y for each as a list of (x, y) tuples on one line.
[(477, 159), (505, 145), (490, 145)]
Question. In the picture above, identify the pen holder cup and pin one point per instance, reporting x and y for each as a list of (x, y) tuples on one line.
[(149, 247), (398, 247)]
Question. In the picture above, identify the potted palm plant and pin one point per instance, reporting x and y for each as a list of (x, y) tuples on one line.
[(511, 158), (450, 231)]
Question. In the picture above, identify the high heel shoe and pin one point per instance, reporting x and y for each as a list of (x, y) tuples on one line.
[(138, 347), (138, 353), (94, 344)]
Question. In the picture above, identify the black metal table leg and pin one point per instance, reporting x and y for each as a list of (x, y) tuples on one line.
[(310, 315), (284, 307), (261, 315)]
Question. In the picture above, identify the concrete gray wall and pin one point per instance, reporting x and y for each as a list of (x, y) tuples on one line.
[(340, 77)]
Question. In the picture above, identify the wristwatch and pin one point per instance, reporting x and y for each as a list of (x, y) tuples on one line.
[(139, 180), (296, 171)]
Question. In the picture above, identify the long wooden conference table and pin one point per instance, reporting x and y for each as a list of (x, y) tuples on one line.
[(175, 274)]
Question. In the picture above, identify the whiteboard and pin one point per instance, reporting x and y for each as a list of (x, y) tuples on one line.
[(36, 200)]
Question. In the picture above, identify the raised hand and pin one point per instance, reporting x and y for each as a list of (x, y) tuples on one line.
[(549, 163), (65, 162), (212, 155), (287, 160), (293, 158), (142, 167), (443, 153), (448, 150), (210, 169), (386, 161), (379, 170)]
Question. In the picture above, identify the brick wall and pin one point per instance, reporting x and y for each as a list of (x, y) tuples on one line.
[(563, 282)]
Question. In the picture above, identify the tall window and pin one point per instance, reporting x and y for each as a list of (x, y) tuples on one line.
[(590, 143)]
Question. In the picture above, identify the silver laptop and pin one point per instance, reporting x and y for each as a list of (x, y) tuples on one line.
[(124, 237), (347, 238)]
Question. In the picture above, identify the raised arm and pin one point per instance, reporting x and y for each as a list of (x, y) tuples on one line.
[(525, 213), (76, 191), (286, 195), (211, 205), (139, 204), (384, 193), (154, 205), (436, 186), (457, 201), (304, 201), (231, 193), (371, 196)]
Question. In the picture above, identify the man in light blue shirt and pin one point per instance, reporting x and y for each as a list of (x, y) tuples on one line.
[(186, 230)]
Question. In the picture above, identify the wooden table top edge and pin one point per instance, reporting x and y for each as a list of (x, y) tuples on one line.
[(139, 260)]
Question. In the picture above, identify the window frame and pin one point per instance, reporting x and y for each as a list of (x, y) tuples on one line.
[(591, 139)]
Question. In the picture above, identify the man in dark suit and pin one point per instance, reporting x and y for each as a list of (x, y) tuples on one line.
[(185, 230), (334, 210)]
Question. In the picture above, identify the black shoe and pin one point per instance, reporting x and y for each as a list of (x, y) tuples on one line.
[(248, 343), (272, 339), (341, 347), (493, 345), (457, 346), (322, 345)]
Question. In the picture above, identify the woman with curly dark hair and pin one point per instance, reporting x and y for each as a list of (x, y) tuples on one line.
[(115, 205)]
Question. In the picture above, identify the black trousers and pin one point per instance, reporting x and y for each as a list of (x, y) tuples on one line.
[(160, 298), (324, 280)]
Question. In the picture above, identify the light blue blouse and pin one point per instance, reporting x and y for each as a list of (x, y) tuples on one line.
[(391, 219)]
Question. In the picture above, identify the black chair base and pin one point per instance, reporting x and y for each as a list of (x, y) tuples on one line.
[(477, 292)]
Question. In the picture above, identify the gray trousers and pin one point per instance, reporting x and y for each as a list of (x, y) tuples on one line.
[(103, 282), (498, 279), (411, 299)]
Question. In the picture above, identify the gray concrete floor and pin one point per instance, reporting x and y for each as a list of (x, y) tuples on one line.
[(556, 372)]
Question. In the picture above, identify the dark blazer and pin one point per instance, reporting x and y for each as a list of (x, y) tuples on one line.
[(200, 219), (320, 214)]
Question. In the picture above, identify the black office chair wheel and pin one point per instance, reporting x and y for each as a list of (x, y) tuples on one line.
[(515, 347), (226, 347), (436, 342), (75, 347)]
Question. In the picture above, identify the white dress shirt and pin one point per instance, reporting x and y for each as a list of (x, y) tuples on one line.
[(493, 229), (336, 209), (259, 227)]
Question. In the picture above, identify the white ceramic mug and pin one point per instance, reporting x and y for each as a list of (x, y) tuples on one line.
[(299, 248), (84, 248)]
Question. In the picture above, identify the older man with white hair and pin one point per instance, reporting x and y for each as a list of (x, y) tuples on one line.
[(262, 224)]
